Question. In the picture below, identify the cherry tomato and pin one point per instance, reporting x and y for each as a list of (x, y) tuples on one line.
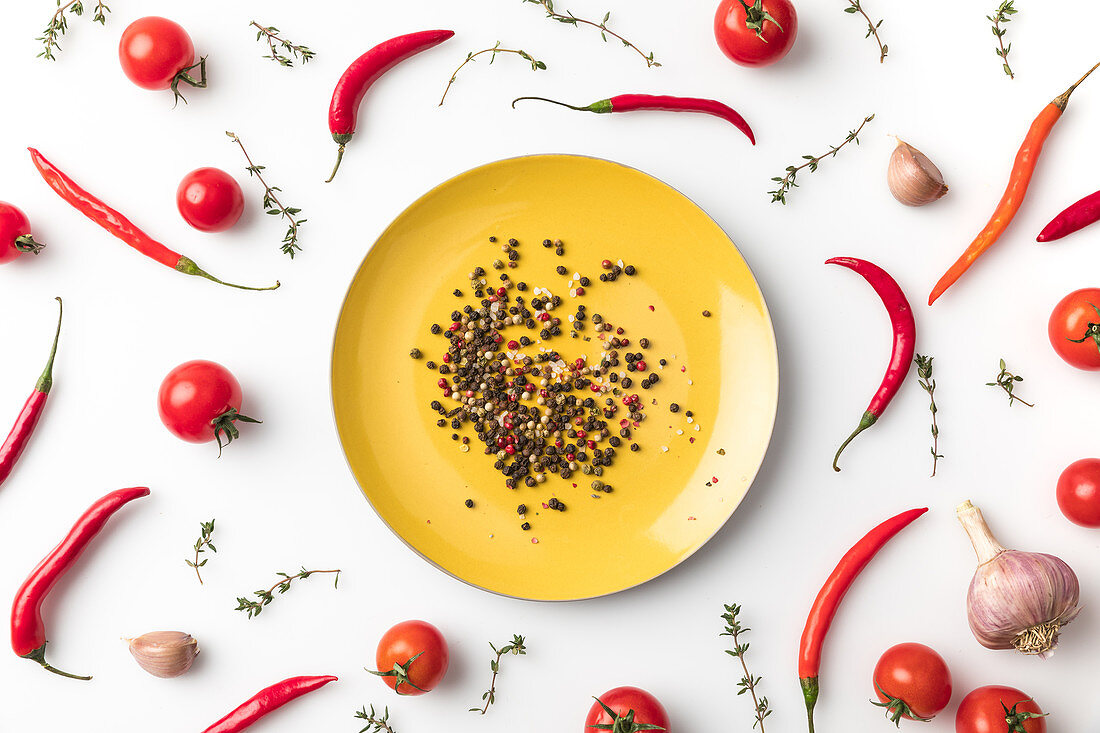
[(200, 401), (629, 704), (742, 44), (156, 53), (999, 709), (912, 682), (1079, 492), (412, 657), (1074, 329), (210, 200), (15, 234)]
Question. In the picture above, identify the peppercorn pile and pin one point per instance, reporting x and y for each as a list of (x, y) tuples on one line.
[(535, 411)]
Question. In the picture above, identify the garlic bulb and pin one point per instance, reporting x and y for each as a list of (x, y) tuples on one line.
[(1017, 599), (914, 179), (164, 653)]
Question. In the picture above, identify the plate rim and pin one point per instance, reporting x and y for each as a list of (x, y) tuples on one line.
[(332, 377)]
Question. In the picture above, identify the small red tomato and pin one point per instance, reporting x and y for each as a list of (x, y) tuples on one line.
[(912, 682), (412, 657), (200, 401), (999, 709), (15, 234), (1074, 329), (210, 200), (1079, 492), (627, 708), (156, 53), (759, 37)]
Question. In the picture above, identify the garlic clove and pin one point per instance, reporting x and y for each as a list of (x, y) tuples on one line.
[(164, 654), (1017, 600), (913, 178)]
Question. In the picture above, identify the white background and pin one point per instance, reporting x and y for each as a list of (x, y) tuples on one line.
[(283, 496)]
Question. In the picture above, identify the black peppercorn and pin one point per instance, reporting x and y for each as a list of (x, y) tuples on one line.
[(469, 503), (525, 526), (674, 407)]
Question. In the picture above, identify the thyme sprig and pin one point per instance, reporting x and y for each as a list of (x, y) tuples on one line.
[(375, 723), (1005, 11), (748, 683), (202, 544), (1006, 380), (569, 19), (59, 25), (787, 182), (516, 648), (275, 43), (928, 384), (536, 65), (253, 608), (272, 205), (854, 6)]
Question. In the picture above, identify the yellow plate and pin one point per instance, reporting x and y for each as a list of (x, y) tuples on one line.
[(671, 496)]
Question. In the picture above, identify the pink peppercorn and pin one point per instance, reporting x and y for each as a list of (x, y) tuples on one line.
[(513, 345), (640, 365), (579, 291)]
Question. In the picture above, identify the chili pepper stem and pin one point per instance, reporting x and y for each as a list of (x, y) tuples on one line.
[(45, 382), (601, 107), (339, 158), (1063, 99), (868, 419), (810, 690), (26, 243), (39, 655), (187, 266)]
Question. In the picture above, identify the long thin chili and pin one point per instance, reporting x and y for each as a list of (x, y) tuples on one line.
[(343, 111), (829, 598), (28, 418), (904, 342), (636, 102), (1026, 160), (267, 700), (118, 225), (28, 631), (1077, 216)]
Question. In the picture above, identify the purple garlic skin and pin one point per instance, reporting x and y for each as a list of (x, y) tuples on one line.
[(1021, 600)]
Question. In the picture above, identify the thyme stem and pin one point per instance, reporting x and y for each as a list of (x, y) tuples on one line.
[(748, 683), (569, 19), (787, 182), (59, 25), (1005, 11), (535, 64), (1006, 380), (271, 203), (275, 42), (855, 6), (375, 724), (928, 384), (201, 544), (516, 648), (253, 608)]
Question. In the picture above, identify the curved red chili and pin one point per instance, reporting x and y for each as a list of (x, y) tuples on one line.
[(28, 632), (28, 418), (1078, 216), (635, 102), (343, 111), (267, 700), (830, 596), (118, 225), (905, 340)]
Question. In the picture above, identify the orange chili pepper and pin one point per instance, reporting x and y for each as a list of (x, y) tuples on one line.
[(1013, 198)]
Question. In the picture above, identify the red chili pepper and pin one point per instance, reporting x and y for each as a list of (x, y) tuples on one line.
[(363, 72), (832, 593), (905, 339), (1078, 216), (28, 632), (635, 102), (118, 225), (267, 700), (28, 418)]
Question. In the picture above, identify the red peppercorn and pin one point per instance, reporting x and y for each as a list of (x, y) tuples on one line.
[(570, 456), (594, 387), (442, 383), (447, 358), (501, 292), (620, 331), (591, 444), (544, 317), (581, 434), (606, 264), (501, 442), (624, 342), (510, 449), (579, 291), (513, 345), (640, 365), (493, 298)]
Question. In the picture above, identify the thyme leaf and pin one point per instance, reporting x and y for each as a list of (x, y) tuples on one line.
[(203, 543), (1006, 380), (265, 597), (568, 18), (375, 723), (276, 44), (515, 648), (748, 683), (1004, 11), (536, 65), (854, 6), (272, 205), (59, 25), (787, 182), (928, 384)]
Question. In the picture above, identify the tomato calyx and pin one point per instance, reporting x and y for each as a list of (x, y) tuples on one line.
[(621, 723), (26, 243), (224, 425), (400, 674), (1092, 332), (1016, 719), (186, 78), (896, 708), (756, 16)]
